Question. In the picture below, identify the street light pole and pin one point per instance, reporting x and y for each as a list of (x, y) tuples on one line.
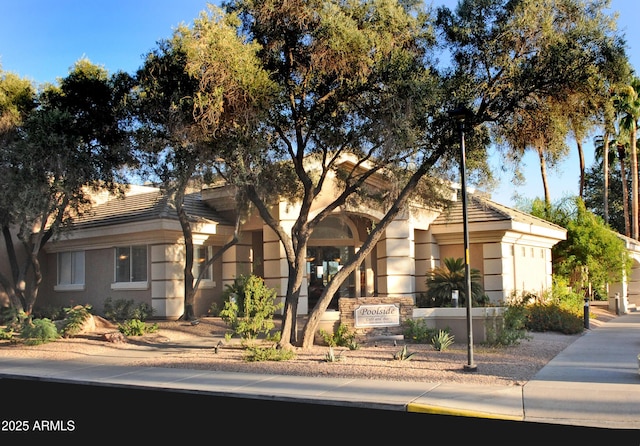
[(460, 115)]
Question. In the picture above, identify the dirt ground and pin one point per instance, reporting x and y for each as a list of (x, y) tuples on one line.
[(203, 346)]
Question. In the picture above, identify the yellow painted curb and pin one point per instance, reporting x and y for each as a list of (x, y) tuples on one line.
[(437, 410)]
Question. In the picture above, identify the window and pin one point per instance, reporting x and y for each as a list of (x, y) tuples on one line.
[(200, 256), (70, 270), (131, 264)]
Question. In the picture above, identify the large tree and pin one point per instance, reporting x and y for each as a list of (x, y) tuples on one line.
[(573, 39), (180, 132), (354, 84), (352, 88), (71, 143), (591, 246), (627, 103)]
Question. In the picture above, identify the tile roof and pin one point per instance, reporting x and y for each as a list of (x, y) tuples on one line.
[(146, 206), (481, 209)]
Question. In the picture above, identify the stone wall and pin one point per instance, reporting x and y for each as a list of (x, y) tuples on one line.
[(348, 306)]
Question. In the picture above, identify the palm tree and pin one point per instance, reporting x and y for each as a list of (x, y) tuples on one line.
[(443, 280), (606, 152), (628, 105)]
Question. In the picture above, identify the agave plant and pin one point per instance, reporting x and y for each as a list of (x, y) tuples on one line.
[(403, 354), (448, 277)]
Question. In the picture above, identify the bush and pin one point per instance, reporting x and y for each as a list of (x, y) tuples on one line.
[(416, 331), (136, 327), (122, 310), (254, 353), (54, 313), (75, 320), (553, 317), (343, 337), (9, 316), (513, 328), (39, 331), (250, 307), (213, 311), (6, 334)]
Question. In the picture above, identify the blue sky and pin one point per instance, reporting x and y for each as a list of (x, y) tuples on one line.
[(42, 39)]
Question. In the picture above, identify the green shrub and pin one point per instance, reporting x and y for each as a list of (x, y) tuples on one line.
[(213, 311), (560, 310), (272, 353), (9, 316), (6, 334), (54, 313), (417, 332), (250, 307), (38, 331), (136, 327), (343, 337), (554, 317), (75, 320), (513, 328), (121, 310), (442, 341)]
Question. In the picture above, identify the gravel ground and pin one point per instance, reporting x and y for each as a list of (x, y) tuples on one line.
[(183, 345)]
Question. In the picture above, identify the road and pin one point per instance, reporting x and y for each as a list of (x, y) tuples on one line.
[(76, 414)]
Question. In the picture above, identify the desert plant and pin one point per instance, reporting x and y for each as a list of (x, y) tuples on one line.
[(250, 308), (271, 353), (343, 337), (75, 320), (53, 312), (332, 357), (442, 340), (6, 334), (416, 331), (214, 310), (513, 328), (451, 276), (403, 354), (121, 310), (553, 317), (39, 331), (136, 327)]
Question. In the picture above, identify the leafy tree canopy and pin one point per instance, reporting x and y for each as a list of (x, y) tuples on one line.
[(592, 253)]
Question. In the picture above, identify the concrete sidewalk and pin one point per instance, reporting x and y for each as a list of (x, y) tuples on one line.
[(593, 383)]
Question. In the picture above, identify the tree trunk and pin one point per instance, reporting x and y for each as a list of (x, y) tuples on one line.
[(371, 241), (545, 183), (581, 157), (605, 175), (189, 292), (625, 192), (634, 183)]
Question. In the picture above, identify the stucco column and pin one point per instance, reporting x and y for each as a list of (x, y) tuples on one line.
[(276, 270), (427, 255), (396, 260), (236, 261), (498, 266), (167, 280)]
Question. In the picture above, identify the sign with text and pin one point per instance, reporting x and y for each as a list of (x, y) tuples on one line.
[(377, 316)]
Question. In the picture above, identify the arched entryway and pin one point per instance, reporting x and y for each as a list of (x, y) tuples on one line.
[(332, 244)]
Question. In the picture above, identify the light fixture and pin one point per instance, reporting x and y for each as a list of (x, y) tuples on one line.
[(461, 114)]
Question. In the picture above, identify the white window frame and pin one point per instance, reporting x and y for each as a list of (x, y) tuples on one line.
[(130, 284), (76, 271), (198, 260)]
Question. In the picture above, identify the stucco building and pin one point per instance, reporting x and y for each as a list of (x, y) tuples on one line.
[(132, 248)]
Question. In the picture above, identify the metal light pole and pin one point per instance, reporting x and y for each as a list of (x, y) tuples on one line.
[(460, 114)]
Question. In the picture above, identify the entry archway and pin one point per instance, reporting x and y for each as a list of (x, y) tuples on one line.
[(332, 244)]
